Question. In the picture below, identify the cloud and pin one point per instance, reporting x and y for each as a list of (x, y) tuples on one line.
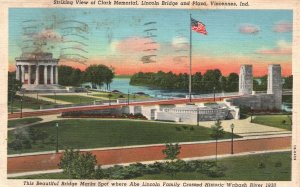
[(135, 45), (180, 42), (48, 35), (283, 48), (283, 26), (249, 29)]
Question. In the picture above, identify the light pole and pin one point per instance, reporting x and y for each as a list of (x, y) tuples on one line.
[(109, 96), (214, 94), (251, 114), (11, 95), (54, 97), (128, 97), (197, 116), (232, 127), (21, 107), (56, 137)]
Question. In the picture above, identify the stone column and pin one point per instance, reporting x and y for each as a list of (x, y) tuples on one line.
[(17, 72), (56, 74), (51, 75), (37, 75), (45, 74), (29, 74), (22, 73)]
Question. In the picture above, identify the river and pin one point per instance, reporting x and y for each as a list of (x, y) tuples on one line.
[(122, 85)]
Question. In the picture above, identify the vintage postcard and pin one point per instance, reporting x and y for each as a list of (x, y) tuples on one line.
[(150, 93)]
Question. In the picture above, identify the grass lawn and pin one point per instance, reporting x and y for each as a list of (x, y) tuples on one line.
[(119, 95), (274, 121), (23, 121), (28, 102), (75, 99), (238, 168), (80, 134), (241, 168)]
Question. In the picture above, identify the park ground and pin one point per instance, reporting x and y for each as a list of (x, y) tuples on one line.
[(99, 133), (276, 167)]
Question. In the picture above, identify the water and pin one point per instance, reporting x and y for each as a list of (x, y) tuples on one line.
[(122, 84)]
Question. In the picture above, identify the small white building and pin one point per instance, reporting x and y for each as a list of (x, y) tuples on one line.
[(37, 71)]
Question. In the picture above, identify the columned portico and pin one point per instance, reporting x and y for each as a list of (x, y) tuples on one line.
[(29, 74), (56, 75), (51, 75), (45, 75), (35, 70), (23, 74), (37, 74)]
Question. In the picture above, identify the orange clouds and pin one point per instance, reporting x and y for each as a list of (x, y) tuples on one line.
[(201, 64), (283, 48), (249, 29), (283, 26)]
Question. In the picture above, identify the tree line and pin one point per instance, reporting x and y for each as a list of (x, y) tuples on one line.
[(96, 74), (208, 82)]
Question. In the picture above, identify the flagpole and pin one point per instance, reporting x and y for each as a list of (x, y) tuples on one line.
[(190, 77)]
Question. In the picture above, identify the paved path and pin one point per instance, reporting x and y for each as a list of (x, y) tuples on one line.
[(244, 128), (117, 155)]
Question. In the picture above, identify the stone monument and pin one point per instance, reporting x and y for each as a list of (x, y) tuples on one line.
[(275, 84), (245, 80)]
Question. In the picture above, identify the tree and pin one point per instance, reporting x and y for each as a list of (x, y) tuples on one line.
[(14, 85), (98, 75), (108, 77), (172, 151), (79, 165), (69, 76), (232, 82), (288, 82), (217, 132)]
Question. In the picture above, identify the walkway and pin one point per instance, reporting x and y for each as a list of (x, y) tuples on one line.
[(118, 155), (151, 162)]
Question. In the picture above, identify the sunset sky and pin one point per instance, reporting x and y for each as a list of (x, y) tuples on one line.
[(121, 38)]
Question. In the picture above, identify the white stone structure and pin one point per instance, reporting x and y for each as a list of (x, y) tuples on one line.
[(245, 80), (265, 101), (275, 83), (37, 71)]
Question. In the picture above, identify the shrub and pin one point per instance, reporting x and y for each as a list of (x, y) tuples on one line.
[(172, 151), (78, 165), (216, 171), (278, 164), (261, 165), (178, 128), (184, 127)]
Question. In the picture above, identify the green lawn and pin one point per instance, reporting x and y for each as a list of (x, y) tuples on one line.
[(241, 168), (75, 99), (274, 121), (23, 121), (119, 95), (28, 102), (80, 134), (238, 168)]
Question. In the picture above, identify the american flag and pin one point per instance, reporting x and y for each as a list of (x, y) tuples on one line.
[(198, 26)]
